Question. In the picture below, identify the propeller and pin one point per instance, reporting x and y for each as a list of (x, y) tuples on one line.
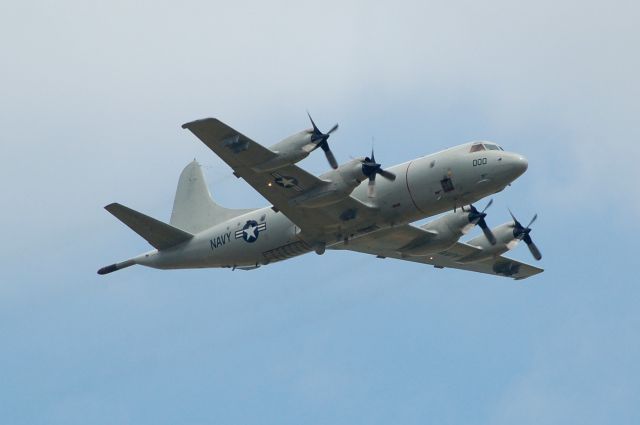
[(477, 217), (522, 233), (371, 168), (320, 140)]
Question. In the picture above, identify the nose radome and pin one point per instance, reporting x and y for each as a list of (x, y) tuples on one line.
[(516, 165), (521, 163)]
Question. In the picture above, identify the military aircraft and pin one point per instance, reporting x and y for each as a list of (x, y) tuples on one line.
[(346, 208)]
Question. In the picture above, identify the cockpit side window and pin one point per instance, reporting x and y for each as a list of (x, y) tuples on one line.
[(492, 147), (477, 147)]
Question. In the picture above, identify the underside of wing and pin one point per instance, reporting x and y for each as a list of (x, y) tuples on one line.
[(233, 147), (390, 243), (285, 186)]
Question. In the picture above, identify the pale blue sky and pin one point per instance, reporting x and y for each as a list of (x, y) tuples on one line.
[(93, 96)]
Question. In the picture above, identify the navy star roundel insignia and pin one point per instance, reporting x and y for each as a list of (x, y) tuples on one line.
[(287, 182), (251, 230)]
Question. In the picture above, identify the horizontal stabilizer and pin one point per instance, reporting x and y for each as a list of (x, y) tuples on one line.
[(160, 235)]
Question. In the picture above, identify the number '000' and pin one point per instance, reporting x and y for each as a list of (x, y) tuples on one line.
[(480, 161)]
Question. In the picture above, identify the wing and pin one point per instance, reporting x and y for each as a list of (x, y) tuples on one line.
[(283, 186), (390, 242)]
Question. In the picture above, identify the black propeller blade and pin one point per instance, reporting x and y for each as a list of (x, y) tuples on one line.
[(371, 168), (477, 217), (320, 140), (522, 233)]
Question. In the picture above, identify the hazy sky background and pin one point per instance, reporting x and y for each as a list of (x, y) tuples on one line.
[(93, 96)]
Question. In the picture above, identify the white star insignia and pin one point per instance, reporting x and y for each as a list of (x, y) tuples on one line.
[(287, 182), (250, 232)]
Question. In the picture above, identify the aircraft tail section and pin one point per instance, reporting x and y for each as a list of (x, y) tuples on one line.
[(160, 235), (193, 208), (117, 266)]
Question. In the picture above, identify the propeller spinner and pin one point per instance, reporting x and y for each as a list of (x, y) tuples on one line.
[(320, 140), (371, 168), (477, 217), (522, 233)]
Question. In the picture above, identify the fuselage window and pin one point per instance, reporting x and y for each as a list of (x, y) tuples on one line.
[(476, 148)]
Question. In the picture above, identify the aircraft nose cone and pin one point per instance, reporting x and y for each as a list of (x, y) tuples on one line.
[(521, 164), (515, 166)]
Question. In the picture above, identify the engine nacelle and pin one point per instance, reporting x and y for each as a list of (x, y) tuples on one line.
[(505, 240), (293, 149), (347, 176), (445, 231), (339, 183)]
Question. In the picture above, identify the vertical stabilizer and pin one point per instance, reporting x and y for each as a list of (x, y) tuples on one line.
[(193, 208)]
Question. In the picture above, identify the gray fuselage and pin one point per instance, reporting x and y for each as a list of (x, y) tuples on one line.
[(424, 187)]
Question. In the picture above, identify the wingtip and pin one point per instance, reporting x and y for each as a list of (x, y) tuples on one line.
[(189, 124), (111, 206)]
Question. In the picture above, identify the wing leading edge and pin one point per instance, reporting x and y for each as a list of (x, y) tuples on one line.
[(390, 242), (282, 186)]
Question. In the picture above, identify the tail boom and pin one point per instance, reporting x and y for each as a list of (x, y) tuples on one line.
[(117, 266)]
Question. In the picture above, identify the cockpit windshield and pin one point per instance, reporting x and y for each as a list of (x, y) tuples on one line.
[(476, 147)]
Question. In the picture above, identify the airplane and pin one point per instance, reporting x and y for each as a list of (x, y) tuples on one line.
[(346, 208)]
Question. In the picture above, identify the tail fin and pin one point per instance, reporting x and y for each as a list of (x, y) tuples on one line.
[(193, 208), (160, 235)]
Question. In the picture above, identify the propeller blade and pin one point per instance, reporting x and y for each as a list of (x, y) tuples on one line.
[(515, 221), (532, 247), (371, 188), (315, 127), (488, 205), (532, 220), (320, 140), (477, 217), (387, 175), (329, 155), (370, 168), (487, 232)]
